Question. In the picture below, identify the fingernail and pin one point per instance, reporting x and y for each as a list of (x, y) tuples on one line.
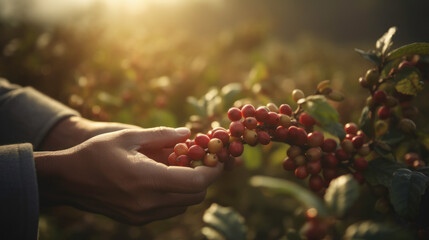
[(182, 131)]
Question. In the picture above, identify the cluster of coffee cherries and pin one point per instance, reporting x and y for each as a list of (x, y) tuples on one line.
[(309, 155)]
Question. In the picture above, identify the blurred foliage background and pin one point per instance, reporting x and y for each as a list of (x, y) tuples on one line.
[(148, 62)]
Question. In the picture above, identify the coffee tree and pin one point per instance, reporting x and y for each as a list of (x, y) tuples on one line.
[(383, 155)]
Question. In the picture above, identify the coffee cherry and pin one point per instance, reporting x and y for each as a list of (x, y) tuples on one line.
[(215, 145), (263, 137), (407, 125), (285, 109), (301, 172), (196, 152), (248, 110), (384, 112), (294, 151), (250, 137), (261, 114), (289, 164), (360, 164), (341, 155), (329, 174), (323, 86), (222, 135), (273, 119), (181, 149), (172, 159), (313, 154), (210, 159), (195, 164), (379, 96), (306, 120), (363, 83), (234, 114), (351, 128), (418, 164), (364, 150), (349, 136), (236, 129), (391, 101), (297, 94), (357, 141), (284, 120), (329, 161), (409, 158), (314, 167), (372, 76), (362, 134), (280, 133), (236, 148), (315, 139), (381, 127), (329, 145), (296, 135), (223, 155), (273, 107), (314, 230), (250, 123), (316, 183), (370, 102), (347, 145), (300, 160)]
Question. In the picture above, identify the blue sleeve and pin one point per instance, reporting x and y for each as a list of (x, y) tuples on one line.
[(19, 205), (27, 115)]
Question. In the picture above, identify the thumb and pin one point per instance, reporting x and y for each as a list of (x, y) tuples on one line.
[(160, 137)]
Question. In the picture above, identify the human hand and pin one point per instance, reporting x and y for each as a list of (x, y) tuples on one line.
[(107, 175)]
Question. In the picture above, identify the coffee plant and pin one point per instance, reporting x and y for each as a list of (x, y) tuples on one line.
[(383, 155)]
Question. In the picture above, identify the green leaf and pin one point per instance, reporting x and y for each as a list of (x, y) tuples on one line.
[(230, 93), (160, 118), (224, 220), (406, 191), (385, 42), (197, 105), (392, 137), (410, 49), (408, 81), (380, 171), (258, 73), (318, 107), (252, 157), (215, 106), (335, 129), (369, 230), (303, 195), (365, 122), (370, 55), (341, 194)]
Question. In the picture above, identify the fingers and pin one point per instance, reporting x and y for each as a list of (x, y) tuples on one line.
[(160, 137), (188, 180)]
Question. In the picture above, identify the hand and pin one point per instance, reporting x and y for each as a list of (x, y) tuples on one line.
[(107, 175)]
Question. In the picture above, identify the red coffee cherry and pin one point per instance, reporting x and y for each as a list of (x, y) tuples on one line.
[(314, 167), (183, 161), (280, 133), (357, 141), (248, 110), (172, 159), (409, 158), (261, 114), (289, 164), (359, 177), (222, 135), (329, 145), (236, 148), (236, 129), (301, 172), (250, 123), (181, 149), (272, 119), (196, 152), (341, 155), (351, 128), (202, 140), (223, 155), (329, 174), (285, 109), (263, 137), (315, 139), (234, 114), (329, 161), (379, 96), (316, 183), (306, 120), (384, 112), (360, 164)]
